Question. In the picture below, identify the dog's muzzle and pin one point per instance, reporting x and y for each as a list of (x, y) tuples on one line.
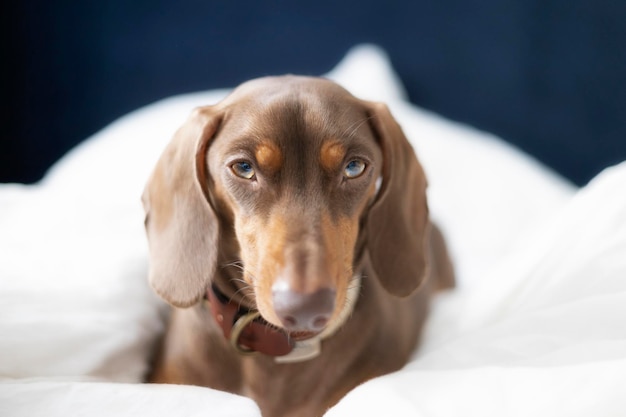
[(248, 332)]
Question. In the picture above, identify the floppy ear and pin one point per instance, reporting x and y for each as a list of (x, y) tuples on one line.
[(398, 224), (181, 226)]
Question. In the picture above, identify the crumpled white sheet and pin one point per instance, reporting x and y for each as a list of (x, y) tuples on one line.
[(536, 326), (40, 398)]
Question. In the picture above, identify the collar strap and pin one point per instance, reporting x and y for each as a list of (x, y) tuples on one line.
[(248, 332)]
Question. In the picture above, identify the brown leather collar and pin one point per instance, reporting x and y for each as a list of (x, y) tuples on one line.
[(246, 330)]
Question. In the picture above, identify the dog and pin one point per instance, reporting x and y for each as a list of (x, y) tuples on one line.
[(289, 229)]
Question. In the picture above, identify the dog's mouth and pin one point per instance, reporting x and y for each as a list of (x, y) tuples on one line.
[(295, 335), (302, 335)]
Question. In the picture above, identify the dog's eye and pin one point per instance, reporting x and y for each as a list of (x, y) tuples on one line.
[(354, 168), (243, 169)]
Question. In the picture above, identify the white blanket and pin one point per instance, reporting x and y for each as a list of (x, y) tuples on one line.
[(537, 325)]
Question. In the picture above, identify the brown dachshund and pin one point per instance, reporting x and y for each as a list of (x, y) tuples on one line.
[(289, 226)]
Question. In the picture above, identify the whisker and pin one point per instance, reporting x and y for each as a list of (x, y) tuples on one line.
[(235, 264), (244, 290), (355, 126)]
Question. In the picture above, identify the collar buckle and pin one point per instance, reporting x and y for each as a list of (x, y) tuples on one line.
[(238, 327)]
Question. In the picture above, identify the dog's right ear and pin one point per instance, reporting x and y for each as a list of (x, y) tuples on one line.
[(398, 222), (181, 225)]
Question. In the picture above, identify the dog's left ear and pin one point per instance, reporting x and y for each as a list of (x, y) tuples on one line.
[(181, 225), (398, 224)]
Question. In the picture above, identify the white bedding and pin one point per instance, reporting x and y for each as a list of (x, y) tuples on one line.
[(536, 327)]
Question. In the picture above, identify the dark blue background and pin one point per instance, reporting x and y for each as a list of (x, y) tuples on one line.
[(547, 75)]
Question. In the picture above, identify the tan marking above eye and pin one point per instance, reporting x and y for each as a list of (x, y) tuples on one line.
[(332, 154), (269, 157)]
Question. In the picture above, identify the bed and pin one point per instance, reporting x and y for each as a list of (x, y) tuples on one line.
[(536, 326)]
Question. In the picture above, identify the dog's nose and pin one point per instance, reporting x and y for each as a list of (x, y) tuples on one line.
[(302, 311)]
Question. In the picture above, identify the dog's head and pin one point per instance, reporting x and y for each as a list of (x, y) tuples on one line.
[(292, 179)]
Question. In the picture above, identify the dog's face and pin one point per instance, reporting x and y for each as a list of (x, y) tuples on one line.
[(297, 167), (300, 172)]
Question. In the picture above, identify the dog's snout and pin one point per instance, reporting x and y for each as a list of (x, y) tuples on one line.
[(304, 311)]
